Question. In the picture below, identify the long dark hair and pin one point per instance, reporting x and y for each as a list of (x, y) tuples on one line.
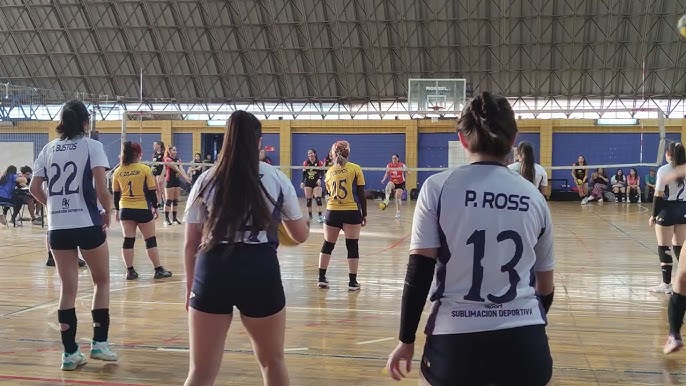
[(526, 158), (488, 125), (619, 177), (11, 170), (235, 182), (163, 149), (129, 152), (678, 153), (74, 115), (316, 159)]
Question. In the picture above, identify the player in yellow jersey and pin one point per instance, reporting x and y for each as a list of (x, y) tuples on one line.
[(135, 199), (346, 209)]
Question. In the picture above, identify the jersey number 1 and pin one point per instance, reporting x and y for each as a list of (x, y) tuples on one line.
[(478, 239), (130, 183)]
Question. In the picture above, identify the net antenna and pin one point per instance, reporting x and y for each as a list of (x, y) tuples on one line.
[(662, 145)]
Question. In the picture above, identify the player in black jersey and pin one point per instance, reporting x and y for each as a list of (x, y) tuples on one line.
[(312, 182), (157, 169)]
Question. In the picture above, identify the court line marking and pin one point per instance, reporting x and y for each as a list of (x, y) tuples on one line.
[(296, 349), (63, 381), (376, 340), (358, 310), (344, 356)]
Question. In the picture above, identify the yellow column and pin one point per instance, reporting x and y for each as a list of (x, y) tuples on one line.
[(411, 150), (683, 130), (285, 143), (546, 150), (197, 141), (166, 132)]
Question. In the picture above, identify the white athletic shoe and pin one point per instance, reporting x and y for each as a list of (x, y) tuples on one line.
[(584, 201), (72, 361), (662, 288), (397, 214), (102, 351)]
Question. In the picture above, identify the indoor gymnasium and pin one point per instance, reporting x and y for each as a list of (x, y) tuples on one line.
[(130, 134)]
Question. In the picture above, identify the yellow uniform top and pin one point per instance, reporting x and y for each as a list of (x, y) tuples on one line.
[(342, 183), (132, 181)]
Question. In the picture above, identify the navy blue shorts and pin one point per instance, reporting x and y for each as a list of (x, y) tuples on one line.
[(141, 216), (246, 276), (511, 357), (77, 238), (673, 213)]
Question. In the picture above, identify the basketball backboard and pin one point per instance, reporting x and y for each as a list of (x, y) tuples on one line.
[(445, 96)]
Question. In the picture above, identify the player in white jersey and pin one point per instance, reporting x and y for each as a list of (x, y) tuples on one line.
[(528, 168), (668, 214), (484, 236), (74, 168), (232, 220)]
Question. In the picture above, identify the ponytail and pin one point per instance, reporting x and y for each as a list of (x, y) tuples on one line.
[(340, 151), (72, 121), (526, 156), (678, 153)]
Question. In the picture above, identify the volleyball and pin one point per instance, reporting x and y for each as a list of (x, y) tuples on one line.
[(284, 238), (383, 205), (681, 26)]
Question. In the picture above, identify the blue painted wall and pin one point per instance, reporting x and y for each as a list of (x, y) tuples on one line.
[(272, 139), (112, 144), (367, 150), (39, 141), (605, 148), (433, 150), (184, 146)]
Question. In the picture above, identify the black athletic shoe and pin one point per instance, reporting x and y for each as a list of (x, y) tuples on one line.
[(131, 274), (162, 273), (50, 262)]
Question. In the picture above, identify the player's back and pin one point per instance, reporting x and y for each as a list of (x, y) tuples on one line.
[(342, 182), (674, 189), (133, 180), (492, 224), (67, 166)]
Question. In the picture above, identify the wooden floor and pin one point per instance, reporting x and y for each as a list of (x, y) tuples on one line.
[(605, 327)]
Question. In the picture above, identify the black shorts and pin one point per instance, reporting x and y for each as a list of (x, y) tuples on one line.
[(399, 186), (77, 238), (310, 183), (673, 213), (336, 218), (140, 216), (157, 170), (516, 356), (247, 277), (173, 183)]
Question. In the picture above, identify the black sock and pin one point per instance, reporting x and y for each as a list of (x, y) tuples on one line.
[(320, 213), (130, 268), (101, 324), (166, 215), (675, 313), (69, 336), (174, 216), (677, 251), (353, 277), (50, 255), (159, 268), (664, 254), (666, 273), (310, 213), (322, 273)]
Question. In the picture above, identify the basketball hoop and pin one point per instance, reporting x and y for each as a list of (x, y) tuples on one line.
[(435, 108)]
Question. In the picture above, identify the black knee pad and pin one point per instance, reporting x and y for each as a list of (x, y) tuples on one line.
[(169, 202), (327, 248), (309, 202), (129, 242), (665, 255), (151, 242), (353, 248), (319, 201), (175, 202)]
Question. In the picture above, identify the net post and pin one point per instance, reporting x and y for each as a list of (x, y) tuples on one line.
[(124, 118), (662, 144)]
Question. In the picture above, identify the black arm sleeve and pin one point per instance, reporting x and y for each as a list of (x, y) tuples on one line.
[(363, 199), (547, 300), (117, 197), (304, 175), (420, 274), (151, 196), (658, 205)]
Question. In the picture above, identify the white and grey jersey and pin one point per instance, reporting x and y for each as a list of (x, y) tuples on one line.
[(275, 183), (67, 167), (493, 230), (674, 191)]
